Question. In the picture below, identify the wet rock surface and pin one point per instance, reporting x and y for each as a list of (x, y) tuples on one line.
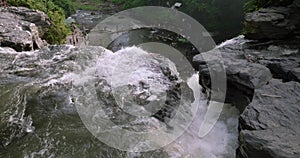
[(242, 75), (88, 19), (263, 82), (295, 73), (34, 88), (270, 124), (155, 93), (39, 115), (24, 78), (37, 107), (21, 28), (273, 22)]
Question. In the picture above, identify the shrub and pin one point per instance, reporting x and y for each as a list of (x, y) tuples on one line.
[(58, 30)]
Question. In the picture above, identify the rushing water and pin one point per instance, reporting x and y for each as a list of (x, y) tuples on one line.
[(39, 117)]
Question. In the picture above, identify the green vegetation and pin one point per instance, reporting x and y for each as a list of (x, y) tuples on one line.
[(58, 31), (66, 5), (253, 5), (221, 17)]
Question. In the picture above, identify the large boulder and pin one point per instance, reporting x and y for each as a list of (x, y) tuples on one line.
[(283, 68), (295, 73), (150, 85), (242, 75), (19, 31), (270, 124), (273, 22), (280, 57), (39, 18), (250, 65)]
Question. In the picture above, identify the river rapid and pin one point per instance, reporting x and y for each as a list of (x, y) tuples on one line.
[(39, 117)]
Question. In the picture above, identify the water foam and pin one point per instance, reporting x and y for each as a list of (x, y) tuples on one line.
[(220, 142)]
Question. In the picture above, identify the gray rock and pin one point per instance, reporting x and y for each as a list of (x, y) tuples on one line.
[(38, 98), (273, 23), (295, 73), (283, 68), (155, 93), (248, 65), (88, 19), (282, 58), (40, 19), (270, 124), (17, 33), (19, 68), (242, 76)]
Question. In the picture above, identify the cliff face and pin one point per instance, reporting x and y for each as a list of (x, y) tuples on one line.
[(263, 75), (21, 28)]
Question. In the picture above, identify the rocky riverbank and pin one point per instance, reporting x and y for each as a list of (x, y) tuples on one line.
[(263, 75), (263, 83)]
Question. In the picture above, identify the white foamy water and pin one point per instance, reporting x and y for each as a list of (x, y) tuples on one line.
[(131, 65), (220, 142), (231, 41)]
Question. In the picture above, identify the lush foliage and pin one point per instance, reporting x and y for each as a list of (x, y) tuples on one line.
[(58, 31), (66, 5)]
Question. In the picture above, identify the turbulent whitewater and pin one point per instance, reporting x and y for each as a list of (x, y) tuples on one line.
[(42, 91)]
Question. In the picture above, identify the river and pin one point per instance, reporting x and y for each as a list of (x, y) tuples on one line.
[(41, 90)]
